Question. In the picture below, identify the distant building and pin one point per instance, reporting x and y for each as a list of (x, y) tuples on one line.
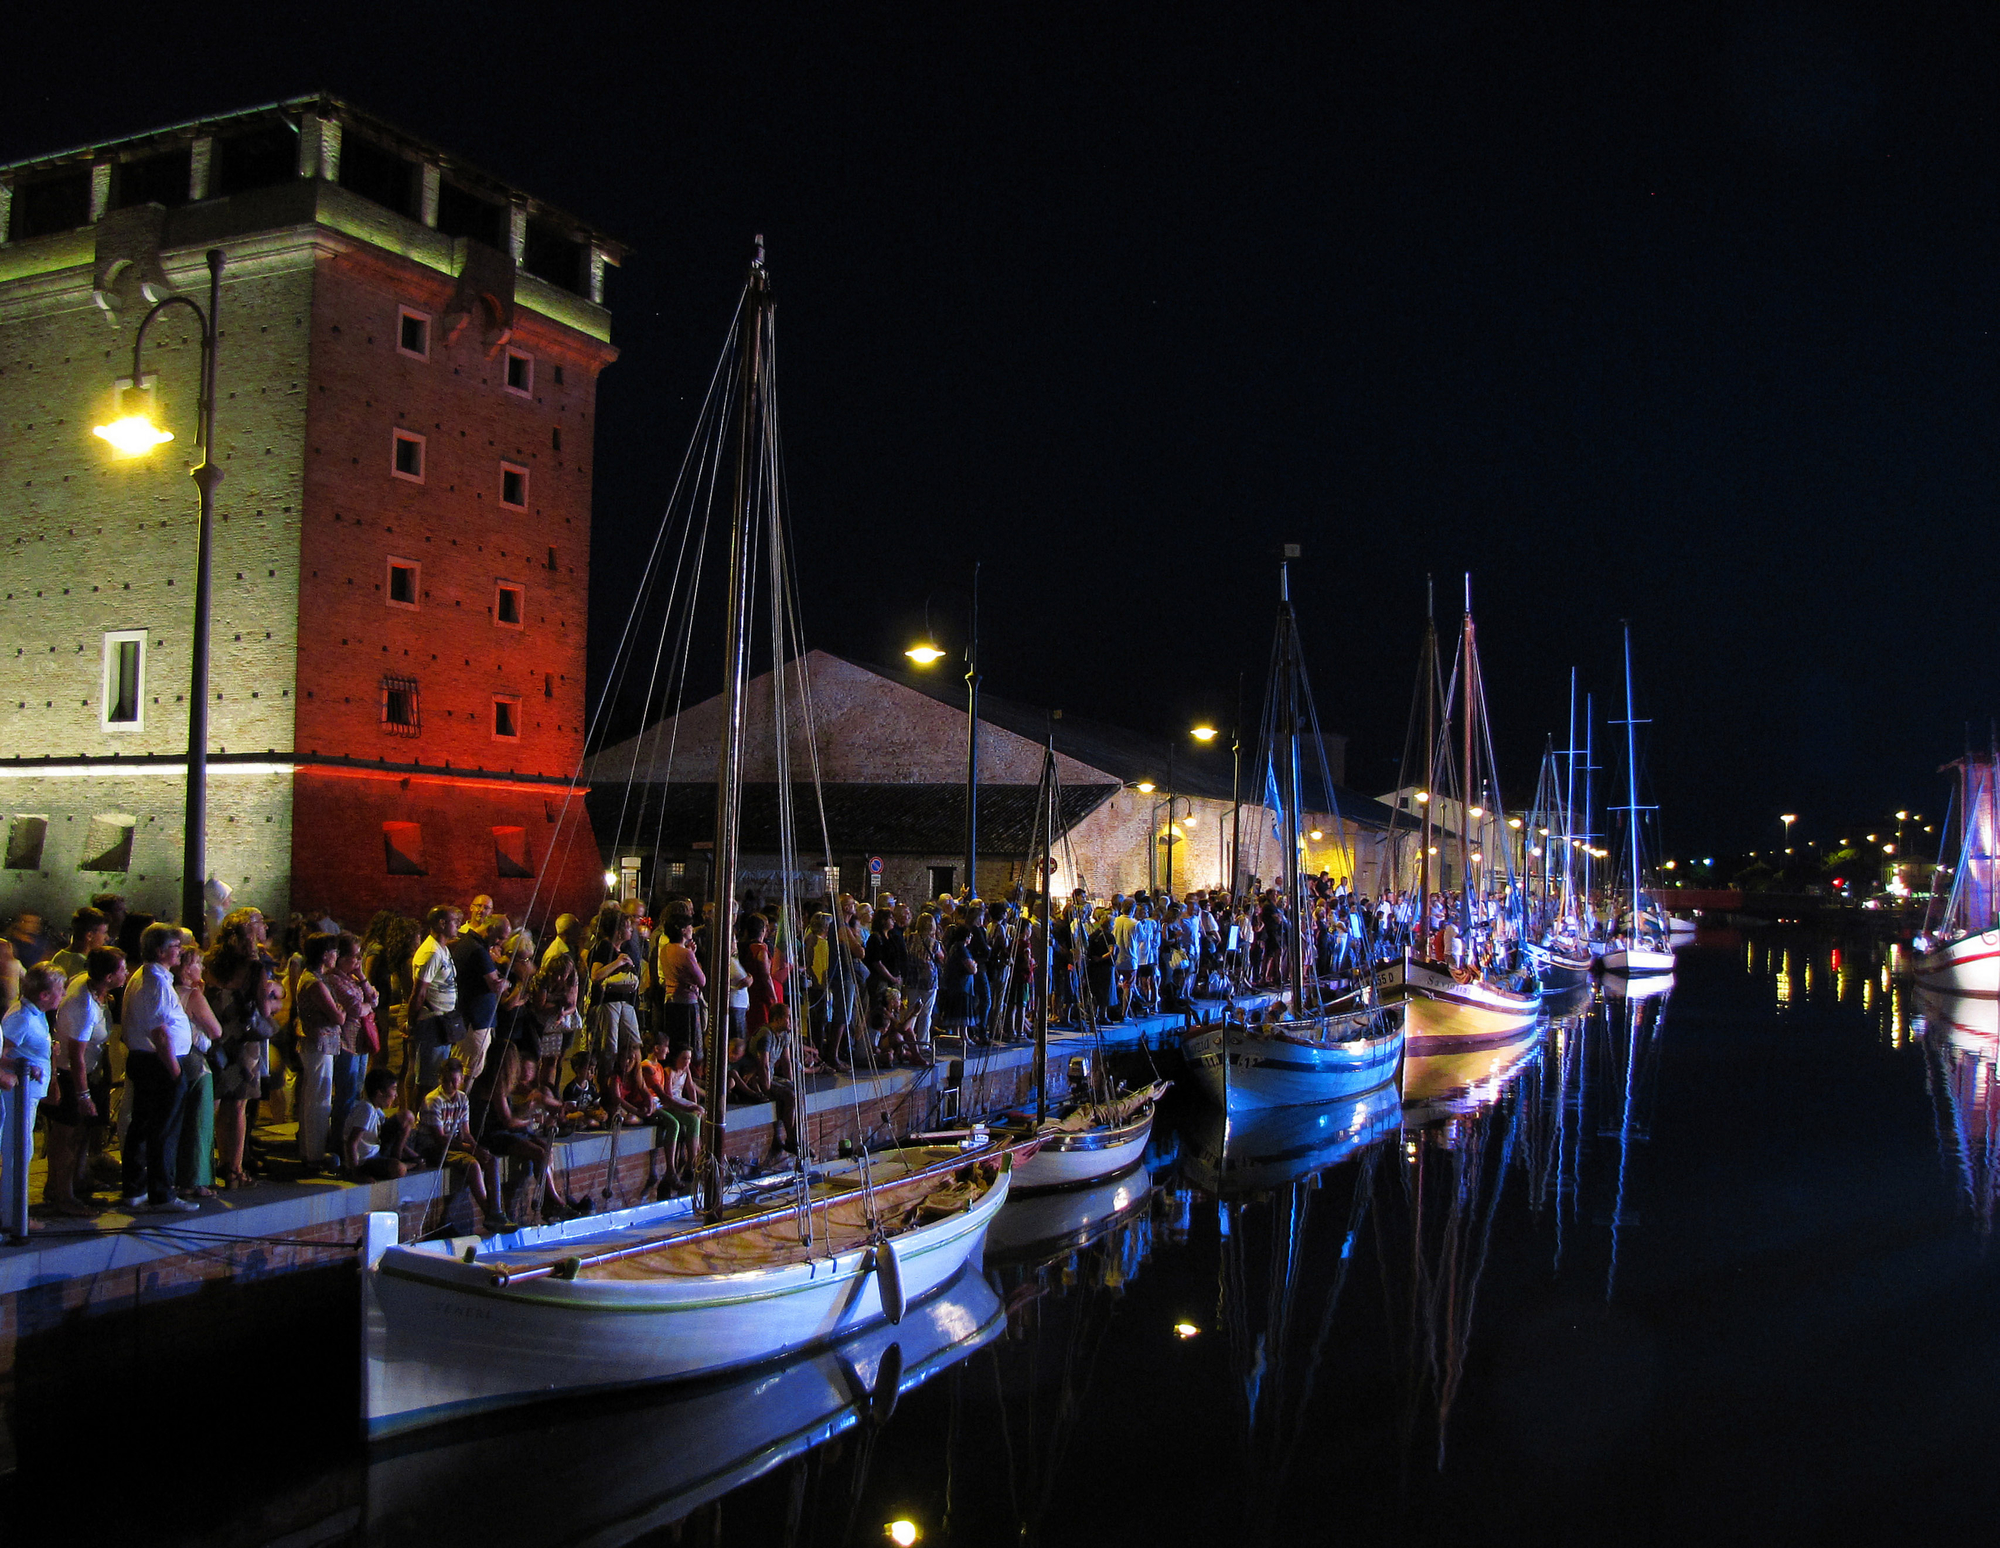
[(892, 765), (406, 402)]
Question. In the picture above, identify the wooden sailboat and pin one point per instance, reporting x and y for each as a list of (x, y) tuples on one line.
[(662, 1292), (1309, 1051), (1458, 1001), (1961, 954), (1561, 952), (1642, 948)]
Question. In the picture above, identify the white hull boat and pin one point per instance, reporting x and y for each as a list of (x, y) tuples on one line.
[(628, 1469), (1681, 931), (1087, 1152), (655, 1294), (1295, 1063), (1637, 961), (1968, 965), (1446, 1014)]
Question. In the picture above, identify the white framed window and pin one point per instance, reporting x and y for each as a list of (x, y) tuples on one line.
[(520, 373), (510, 604), (513, 486), (506, 718), (122, 698), (413, 333), (404, 584), (407, 456)]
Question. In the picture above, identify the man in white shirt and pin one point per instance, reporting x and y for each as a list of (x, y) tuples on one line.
[(157, 1039), (434, 1021)]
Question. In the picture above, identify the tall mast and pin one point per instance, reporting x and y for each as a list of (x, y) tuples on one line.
[(1589, 767), (1289, 657), (750, 433), (1569, 807), (1465, 794), (1632, 782), (1429, 775), (1046, 952)]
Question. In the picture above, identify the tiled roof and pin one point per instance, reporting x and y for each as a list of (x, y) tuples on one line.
[(878, 819)]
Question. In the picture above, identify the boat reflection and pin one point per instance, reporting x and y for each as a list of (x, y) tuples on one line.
[(1044, 1226), (1251, 1152), (628, 1468), (1961, 1036)]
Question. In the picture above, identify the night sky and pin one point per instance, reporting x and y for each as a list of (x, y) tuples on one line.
[(1677, 313)]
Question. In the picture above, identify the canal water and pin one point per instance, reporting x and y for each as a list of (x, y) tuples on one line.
[(1709, 1265)]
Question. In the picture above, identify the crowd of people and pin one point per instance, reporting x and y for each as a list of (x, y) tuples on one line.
[(157, 1065)]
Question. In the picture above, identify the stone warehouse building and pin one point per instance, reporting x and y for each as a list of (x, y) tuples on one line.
[(892, 762), (406, 377)]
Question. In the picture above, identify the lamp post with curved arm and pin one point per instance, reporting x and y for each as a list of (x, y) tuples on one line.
[(133, 435), (924, 653)]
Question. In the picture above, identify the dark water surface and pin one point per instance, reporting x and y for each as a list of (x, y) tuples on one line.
[(1708, 1266)]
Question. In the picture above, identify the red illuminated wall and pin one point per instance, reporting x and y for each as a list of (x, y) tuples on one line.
[(357, 515)]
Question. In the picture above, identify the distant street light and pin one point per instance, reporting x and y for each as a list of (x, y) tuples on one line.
[(924, 655), (1204, 733)]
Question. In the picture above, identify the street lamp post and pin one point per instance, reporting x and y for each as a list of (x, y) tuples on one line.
[(133, 435), (924, 654)]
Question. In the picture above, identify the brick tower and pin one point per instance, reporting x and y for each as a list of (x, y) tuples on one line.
[(406, 387)]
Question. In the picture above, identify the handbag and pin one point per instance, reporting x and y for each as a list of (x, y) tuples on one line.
[(216, 1058)]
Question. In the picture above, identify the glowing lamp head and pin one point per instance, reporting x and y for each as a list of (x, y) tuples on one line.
[(1204, 733), (1185, 1330), (1144, 787), (1317, 835), (1423, 797), (1189, 821), (1902, 816), (924, 655), (902, 1533), (1514, 822), (133, 433), (610, 878), (1477, 811)]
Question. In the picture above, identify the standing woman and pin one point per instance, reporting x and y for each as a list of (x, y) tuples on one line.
[(682, 983), (194, 1166), (957, 1005), (768, 971), (360, 1041), (320, 1023), (245, 998)]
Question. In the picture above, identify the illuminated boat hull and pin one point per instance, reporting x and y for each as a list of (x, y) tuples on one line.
[(1968, 965), (1636, 961), (445, 1338), (1088, 1156), (1243, 1068), (1445, 1014)]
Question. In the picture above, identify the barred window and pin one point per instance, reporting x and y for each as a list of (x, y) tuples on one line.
[(399, 706)]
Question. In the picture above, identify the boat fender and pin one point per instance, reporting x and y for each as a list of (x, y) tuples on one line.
[(889, 1280), (569, 1268), (888, 1385)]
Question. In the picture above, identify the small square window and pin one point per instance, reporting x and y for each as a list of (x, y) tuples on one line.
[(509, 604), (520, 372), (513, 486), (400, 707), (403, 848), (24, 842), (123, 692), (409, 457), (108, 844), (510, 854), (406, 577), (506, 719), (413, 333)]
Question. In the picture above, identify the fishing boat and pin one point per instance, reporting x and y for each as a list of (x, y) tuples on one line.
[(751, 1272), (658, 1293), (1960, 952), (1453, 998), (1644, 947), (1308, 1047), (621, 1470)]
